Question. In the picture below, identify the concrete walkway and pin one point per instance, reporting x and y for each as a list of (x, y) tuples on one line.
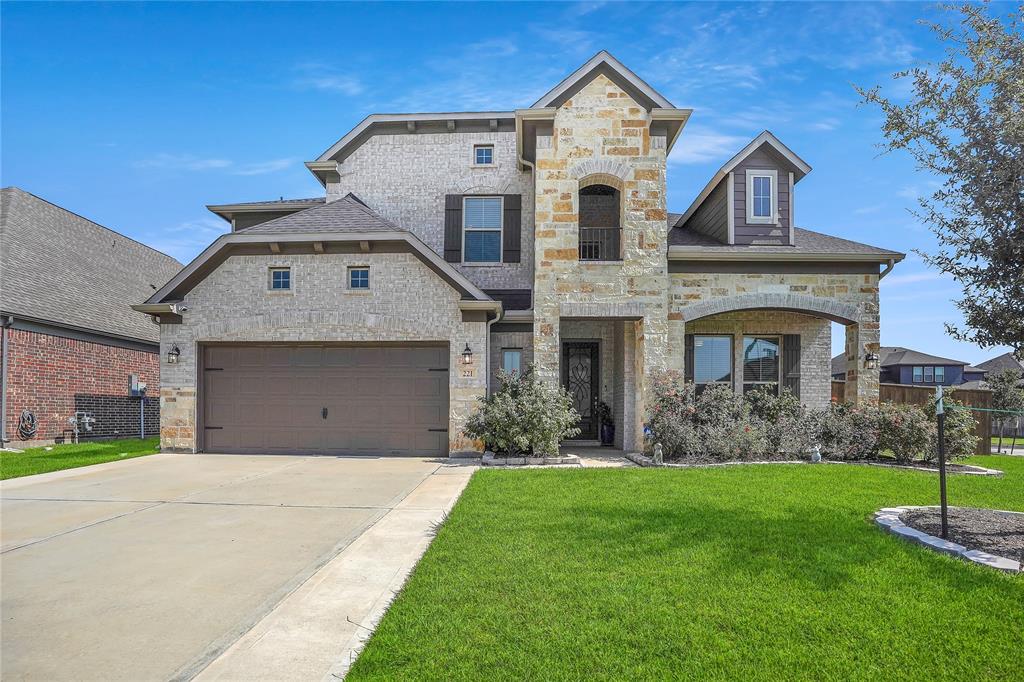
[(168, 566)]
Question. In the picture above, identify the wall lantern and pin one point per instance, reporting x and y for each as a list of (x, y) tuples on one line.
[(467, 355), (871, 361), (172, 355)]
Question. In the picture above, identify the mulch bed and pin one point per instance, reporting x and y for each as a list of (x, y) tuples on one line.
[(996, 532)]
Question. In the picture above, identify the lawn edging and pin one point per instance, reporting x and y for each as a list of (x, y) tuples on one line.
[(967, 469), (491, 460), (888, 518)]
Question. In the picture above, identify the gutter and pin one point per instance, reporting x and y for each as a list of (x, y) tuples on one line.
[(7, 321), (682, 253), (888, 268)]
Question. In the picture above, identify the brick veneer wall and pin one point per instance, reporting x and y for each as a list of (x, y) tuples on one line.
[(54, 377)]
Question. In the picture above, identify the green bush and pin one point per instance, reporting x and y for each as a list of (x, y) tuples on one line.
[(904, 430), (961, 435), (846, 432), (525, 415)]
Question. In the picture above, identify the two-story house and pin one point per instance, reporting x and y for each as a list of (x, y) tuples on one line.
[(898, 365), (450, 245)]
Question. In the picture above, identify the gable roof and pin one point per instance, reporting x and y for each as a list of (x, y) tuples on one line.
[(1001, 363), (61, 268), (346, 220), (604, 63), (800, 168), (889, 356)]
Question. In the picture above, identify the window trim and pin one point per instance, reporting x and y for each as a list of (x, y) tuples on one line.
[(778, 381), (929, 370), (731, 383), (500, 230), (915, 377), (937, 372), (348, 277), (773, 176), (270, 278), (511, 349), (483, 145)]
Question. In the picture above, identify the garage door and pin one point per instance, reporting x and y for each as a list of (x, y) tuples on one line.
[(362, 400)]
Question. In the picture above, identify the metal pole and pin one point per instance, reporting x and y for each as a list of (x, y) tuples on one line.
[(142, 416), (940, 414)]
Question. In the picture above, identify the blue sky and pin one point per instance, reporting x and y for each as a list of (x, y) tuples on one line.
[(138, 115)]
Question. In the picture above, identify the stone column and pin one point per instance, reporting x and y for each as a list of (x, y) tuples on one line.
[(861, 382)]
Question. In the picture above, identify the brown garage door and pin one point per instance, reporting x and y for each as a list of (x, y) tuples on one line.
[(362, 400)]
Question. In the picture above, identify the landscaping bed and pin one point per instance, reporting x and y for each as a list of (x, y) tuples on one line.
[(989, 530), (747, 572)]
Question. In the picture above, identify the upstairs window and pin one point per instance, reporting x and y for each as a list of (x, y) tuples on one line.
[(940, 375), (600, 228), (762, 196), (481, 229), (359, 278), (280, 279), (918, 375), (929, 375), (483, 154)]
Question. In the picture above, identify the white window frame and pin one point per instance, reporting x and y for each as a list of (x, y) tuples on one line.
[(914, 375), (778, 379), (500, 230), (929, 370), (940, 369), (480, 146), (512, 350), (773, 176)]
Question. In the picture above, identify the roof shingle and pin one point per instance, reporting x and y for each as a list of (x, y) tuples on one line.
[(348, 214), (805, 241)]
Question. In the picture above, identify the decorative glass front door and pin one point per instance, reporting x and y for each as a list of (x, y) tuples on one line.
[(580, 377)]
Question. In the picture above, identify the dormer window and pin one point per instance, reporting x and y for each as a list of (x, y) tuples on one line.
[(483, 155), (762, 196)]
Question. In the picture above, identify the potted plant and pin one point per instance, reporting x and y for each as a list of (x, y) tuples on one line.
[(604, 415)]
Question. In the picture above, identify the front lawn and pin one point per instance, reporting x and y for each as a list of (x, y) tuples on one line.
[(756, 572), (68, 456), (1018, 442)]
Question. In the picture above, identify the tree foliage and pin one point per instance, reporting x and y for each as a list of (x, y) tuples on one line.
[(964, 123)]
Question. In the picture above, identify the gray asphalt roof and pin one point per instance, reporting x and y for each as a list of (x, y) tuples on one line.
[(805, 241), (1001, 363), (59, 267), (897, 355), (348, 214), (282, 201)]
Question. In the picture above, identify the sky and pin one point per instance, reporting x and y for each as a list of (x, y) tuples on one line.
[(137, 116)]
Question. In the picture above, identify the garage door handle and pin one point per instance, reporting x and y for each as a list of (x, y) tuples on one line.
[(323, 413), (438, 430)]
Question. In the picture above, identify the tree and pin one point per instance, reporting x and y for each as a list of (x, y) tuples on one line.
[(964, 123), (1008, 396)]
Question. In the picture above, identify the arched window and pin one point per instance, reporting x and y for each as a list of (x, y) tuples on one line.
[(600, 221)]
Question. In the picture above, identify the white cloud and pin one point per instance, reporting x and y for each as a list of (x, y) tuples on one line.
[(864, 210), (316, 76), (185, 240), (912, 278), (182, 162), (699, 145), (830, 123), (263, 167)]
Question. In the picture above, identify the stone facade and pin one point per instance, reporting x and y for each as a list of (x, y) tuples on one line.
[(602, 135), (406, 302), (405, 178)]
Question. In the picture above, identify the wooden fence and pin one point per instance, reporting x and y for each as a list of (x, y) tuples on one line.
[(921, 395)]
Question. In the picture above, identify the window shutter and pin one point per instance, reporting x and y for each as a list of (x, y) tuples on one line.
[(791, 363), (688, 358), (453, 228), (512, 228)]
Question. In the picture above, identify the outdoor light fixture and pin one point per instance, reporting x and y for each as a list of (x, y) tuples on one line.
[(172, 355), (467, 355), (871, 360)]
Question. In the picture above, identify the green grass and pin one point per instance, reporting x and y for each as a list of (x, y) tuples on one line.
[(758, 572), (1018, 442), (69, 456)]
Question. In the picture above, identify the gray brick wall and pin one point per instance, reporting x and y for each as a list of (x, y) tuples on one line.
[(406, 177)]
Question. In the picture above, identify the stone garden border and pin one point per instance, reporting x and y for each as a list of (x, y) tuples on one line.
[(888, 518), (491, 460), (645, 461)]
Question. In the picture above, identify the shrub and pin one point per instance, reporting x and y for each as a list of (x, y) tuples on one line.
[(961, 435), (524, 415), (905, 430), (847, 432), (789, 428)]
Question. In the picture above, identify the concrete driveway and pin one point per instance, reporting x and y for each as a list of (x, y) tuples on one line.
[(154, 568)]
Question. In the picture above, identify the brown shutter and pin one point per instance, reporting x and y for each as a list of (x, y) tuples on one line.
[(688, 358), (791, 363), (453, 228), (512, 228)]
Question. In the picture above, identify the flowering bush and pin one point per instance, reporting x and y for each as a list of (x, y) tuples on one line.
[(789, 428), (961, 436), (525, 415), (847, 432), (905, 431)]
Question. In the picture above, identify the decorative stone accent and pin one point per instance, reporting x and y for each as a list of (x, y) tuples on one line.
[(491, 460), (888, 519), (827, 307)]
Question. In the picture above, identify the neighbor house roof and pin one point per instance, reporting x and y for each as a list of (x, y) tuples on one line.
[(60, 268), (1001, 363), (800, 168), (889, 356), (686, 243)]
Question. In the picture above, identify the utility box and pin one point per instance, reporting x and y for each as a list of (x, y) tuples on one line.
[(136, 388)]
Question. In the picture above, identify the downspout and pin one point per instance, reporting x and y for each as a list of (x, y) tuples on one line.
[(487, 353), (4, 324), (888, 268)]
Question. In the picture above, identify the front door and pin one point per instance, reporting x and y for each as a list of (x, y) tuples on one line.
[(580, 375)]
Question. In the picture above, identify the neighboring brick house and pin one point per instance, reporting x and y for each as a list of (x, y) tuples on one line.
[(450, 245), (900, 365), (70, 340)]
